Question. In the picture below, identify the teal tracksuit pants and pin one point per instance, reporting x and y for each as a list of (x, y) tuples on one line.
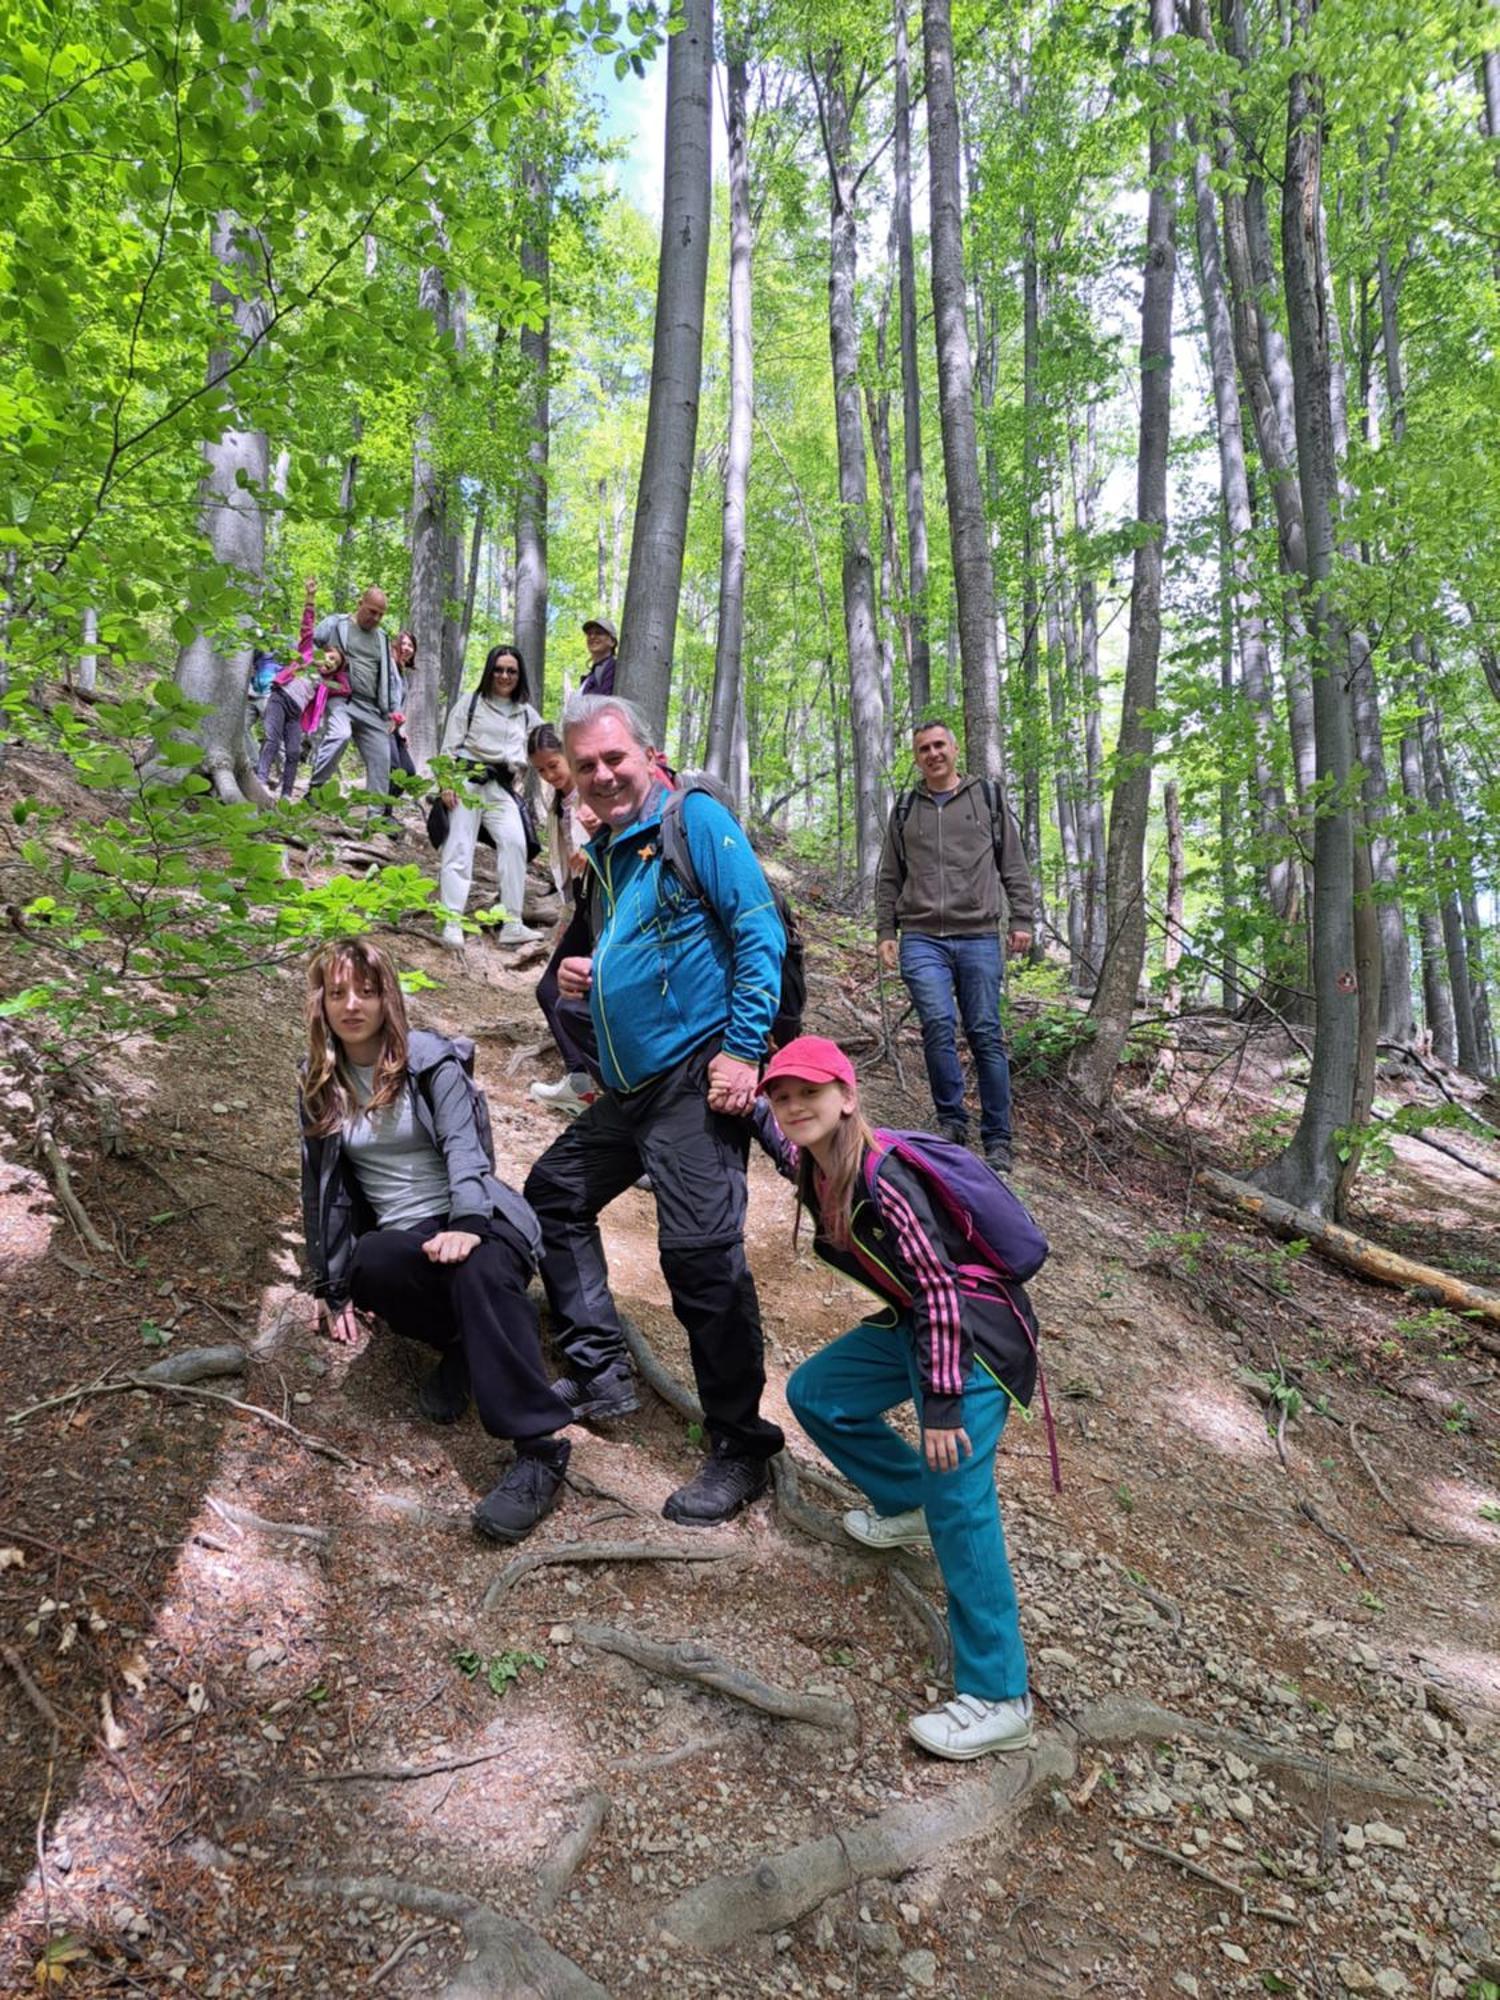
[(840, 1397)]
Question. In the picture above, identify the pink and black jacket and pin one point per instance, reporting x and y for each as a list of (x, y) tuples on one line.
[(904, 1247)]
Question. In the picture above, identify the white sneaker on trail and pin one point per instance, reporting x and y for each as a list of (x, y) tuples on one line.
[(516, 934), (451, 937), (886, 1531), (968, 1727), (571, 1095)]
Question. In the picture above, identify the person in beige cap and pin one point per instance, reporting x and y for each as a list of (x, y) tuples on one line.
[(601, 638)]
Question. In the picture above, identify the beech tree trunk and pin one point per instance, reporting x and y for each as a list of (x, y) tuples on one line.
[(1092, 856), (968, 531), (728, 696), (531, 499), (866, 713), (88, 658), (1310, 1173), (434, 544), (231, 518), (919, 663), (649, 625), (1437, 1001), (1125, 950)]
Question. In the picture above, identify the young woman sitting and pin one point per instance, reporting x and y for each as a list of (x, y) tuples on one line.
[(487, 735), (405, 1218)]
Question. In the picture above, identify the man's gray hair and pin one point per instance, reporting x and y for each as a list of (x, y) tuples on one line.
[(580, 710)]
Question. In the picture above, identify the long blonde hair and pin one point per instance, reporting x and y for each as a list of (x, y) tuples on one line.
[(828, 1196), (328, 1086)]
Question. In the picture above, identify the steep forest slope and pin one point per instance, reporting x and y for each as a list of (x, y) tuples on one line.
[(273, 1722)]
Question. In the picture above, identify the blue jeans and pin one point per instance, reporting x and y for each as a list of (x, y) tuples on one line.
[(840, 1396), (972, 969)]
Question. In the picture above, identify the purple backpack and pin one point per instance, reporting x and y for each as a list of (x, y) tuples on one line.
[(997, 1227)]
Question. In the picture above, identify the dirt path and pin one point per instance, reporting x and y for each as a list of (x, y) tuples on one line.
[(251, 1669)]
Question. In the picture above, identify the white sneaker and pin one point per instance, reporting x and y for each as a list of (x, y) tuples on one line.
[(572, 1095), (968, 1727), (886, 1531), (516, 934), (451, 937)]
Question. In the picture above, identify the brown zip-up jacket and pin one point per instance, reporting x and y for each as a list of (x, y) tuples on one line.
[(938, 876)]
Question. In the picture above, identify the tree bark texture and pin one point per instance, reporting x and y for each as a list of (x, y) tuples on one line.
[(1125, 950), (531, 499), (434, 543), (968, 530), (728, 699), (866, 711), (1310, 1172), (919, 664), (654, 587)]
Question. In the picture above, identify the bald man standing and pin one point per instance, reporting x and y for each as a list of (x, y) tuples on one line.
[(375, 695)]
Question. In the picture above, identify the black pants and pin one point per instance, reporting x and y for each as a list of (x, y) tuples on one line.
[(696, 1160), (482, 1303), (570, 1021)]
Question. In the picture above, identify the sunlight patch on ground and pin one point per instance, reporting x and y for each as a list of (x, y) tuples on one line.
[(1456, 1504), (1476, 1673), (28, 1221), (1222, 1418)]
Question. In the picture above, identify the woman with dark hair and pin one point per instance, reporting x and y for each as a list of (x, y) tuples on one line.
[(571, 826), (404, 658), (486, 736), (405, 1217)]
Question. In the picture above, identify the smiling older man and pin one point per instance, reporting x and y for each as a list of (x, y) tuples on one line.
[(683, 990), (375, 695)]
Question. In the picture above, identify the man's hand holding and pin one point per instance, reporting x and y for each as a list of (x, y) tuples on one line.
[(1018, 942), (450, 1246), (575, 976), (890, 954), (338, 1322), (732, 1085)]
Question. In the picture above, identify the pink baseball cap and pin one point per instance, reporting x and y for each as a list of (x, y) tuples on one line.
[(811, 1059)]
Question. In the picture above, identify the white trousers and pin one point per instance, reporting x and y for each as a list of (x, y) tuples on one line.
[(500, 816)]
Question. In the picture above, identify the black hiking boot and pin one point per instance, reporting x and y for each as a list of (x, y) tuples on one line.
[(600, 1399), (443, 1395), (1000, 1159), (953, 1130), (723, 1486), (527, 1494)]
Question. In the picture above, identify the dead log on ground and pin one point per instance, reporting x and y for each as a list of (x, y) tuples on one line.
[(688, 1661), (198, 1364), (1354, 1252)]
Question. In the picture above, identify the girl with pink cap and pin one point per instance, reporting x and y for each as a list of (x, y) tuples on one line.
[(954, 1339)]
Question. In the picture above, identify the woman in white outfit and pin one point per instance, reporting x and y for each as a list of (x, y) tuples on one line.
[(487, 734)]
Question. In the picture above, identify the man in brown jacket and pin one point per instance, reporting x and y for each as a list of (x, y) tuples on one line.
[(951, 864)]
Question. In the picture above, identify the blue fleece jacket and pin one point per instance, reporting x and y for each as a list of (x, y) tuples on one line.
[(671, 971)]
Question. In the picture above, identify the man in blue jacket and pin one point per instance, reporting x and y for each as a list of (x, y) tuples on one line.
[(683, 990)]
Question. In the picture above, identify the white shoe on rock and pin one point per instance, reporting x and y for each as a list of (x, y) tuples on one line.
[(886, 1531), (968, 1727), (571, 1095), (452, 937), (516, 934)]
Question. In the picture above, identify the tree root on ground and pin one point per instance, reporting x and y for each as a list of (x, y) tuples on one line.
[(510, 1958), (28, 1063), (567, 1857), (320, 1446), (198, 1364), (690, 1661), (925, 1616), (397, 1774), (726, 1909), (657, 1377), (817, 1523), (600, 1552), (241, 1517)]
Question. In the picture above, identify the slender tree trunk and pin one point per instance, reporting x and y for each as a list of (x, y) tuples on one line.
[(1171, 948), (1030, 732), (1311, 1173), (1449, 854), (532, 493), (1066, 787), (865, 708), (231, 518), (1437, 1001), (968, 531), (919, 664), (432, 539), (87, 678), (1114, 996), (1229, 894), (649, 626), (728, 709), (1091, 806)]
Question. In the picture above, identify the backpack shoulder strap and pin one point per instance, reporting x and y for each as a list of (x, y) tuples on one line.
[(995, 800), (899, 816), (675, 852)]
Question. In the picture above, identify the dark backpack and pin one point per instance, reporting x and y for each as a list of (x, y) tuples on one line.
[(463, 1048), (992, 799), (994, 1223), (677, 856)]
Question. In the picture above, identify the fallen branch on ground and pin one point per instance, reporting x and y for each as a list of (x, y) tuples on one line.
[(567, 1857), (395, 1774), (689, 1661), (198, 1364), (1418, 1533), (1355, 1253), (1202, 1874), (314, 1444), (600, 1552), (509, 1957), (241, 1517), (31, 1691)]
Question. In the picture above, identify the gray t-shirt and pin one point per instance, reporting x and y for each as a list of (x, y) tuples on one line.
[(366, 651), (400, 1172)]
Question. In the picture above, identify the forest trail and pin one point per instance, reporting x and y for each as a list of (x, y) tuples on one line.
[(228, 1627)]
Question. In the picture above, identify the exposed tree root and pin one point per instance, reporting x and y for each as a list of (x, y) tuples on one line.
[(1412, 1527), (780, 1888), (1124, 1719), (600, 1552), (657, 1377), (510, 1958), (241, 1517), (689, 1661), (567, 1857), (1355, 1253), (815, 1522), (397, 1774), (926, 1617), (314, 1444), (198, 1364)]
